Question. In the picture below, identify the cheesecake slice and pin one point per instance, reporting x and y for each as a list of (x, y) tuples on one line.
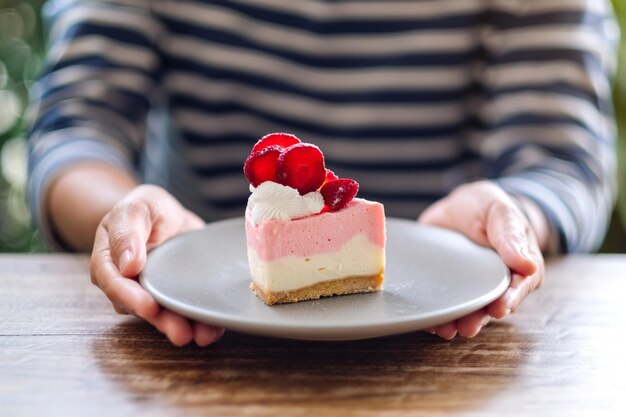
[(331, 253), (307, 235)]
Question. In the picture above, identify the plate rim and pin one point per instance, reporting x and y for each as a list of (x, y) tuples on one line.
[(311, 331)]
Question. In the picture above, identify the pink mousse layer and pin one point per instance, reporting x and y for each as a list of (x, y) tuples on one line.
[(320, 233)]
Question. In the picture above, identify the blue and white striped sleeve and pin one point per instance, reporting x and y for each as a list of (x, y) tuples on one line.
[(91, 101), (548, 112)]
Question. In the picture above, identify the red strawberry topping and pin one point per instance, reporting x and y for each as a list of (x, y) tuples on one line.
[(338, 193), (261, 165), (330, 176), (283, 158), (284, 140), (301, 166)]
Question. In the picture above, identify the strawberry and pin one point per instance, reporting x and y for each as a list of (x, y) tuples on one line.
[(330, 176), (284, 140), (338, 193), (261, 165), (301, 166)]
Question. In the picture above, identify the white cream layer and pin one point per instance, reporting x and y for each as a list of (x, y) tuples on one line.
[(358, 257), (273, 201)]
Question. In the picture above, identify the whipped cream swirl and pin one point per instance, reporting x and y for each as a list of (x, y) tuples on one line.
[(273, 201)]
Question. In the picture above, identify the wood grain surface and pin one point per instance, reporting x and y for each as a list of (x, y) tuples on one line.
[(64, 352)]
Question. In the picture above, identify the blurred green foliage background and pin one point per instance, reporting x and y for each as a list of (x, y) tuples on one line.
[(21, 55)]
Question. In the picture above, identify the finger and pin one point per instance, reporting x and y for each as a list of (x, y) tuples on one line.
[(120, 309), (519, 289), (470, 325), (507, 232), (431, 330), (177, 328), (129, 227), (143, 221), (169, 219), (447, 331), (435, 215), (191, 222), (124, 293), (463, 210), (164, 229), (487, 215), (204, 334), (127, 294)]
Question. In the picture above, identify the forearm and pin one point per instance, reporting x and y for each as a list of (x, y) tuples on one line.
[(548, 132), (80, 196), (72, 122)]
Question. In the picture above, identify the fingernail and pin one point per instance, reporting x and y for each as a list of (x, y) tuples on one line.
[(125, 259), (525, 252), (484, 321), (452, 336)]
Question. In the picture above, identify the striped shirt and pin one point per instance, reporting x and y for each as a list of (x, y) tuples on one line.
[(409, 97)]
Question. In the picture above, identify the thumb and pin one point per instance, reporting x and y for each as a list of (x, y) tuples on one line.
[(508, 233), (128, 228), (435, 215), (145, 219)]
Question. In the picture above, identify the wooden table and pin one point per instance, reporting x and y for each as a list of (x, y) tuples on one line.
[(64, 352)]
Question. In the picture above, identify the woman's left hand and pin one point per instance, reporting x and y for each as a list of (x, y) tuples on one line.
[(489, 216)]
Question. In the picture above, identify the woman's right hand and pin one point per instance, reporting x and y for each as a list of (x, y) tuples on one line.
[(142, 220)]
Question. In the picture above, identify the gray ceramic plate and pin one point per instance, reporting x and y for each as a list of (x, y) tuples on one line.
[(432, 276)]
